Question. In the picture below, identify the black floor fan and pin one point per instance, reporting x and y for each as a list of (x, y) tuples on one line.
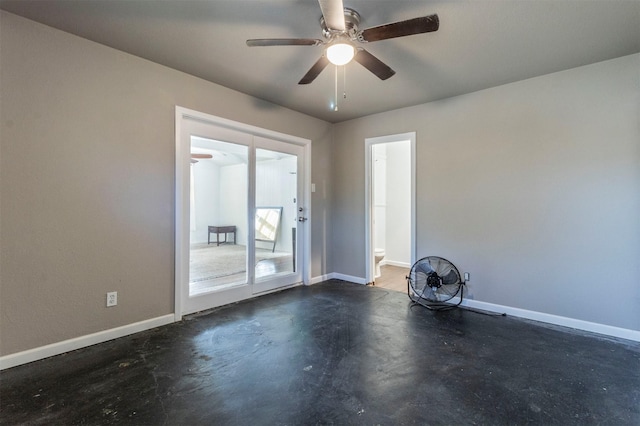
[(433, 282)]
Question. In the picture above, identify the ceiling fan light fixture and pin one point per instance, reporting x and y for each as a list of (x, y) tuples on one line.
[(340, 53)]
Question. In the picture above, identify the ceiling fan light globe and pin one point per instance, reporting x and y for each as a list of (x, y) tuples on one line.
[(340, 53)]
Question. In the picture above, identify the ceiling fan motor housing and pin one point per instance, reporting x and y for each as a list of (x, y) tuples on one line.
[(351, 22)]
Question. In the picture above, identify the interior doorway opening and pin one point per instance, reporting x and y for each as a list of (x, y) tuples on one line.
[(390, 207)]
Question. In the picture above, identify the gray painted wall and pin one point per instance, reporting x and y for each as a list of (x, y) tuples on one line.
[(532, 187), (87, 181)]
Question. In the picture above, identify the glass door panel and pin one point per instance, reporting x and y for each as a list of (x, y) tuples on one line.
[(218, 215), (213, 165), (276, 215), (276, 219)]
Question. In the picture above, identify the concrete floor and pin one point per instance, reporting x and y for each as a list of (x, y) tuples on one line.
[(334, 353)]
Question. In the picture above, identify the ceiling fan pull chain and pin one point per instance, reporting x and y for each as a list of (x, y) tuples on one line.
[(344, 82), (335, 108)]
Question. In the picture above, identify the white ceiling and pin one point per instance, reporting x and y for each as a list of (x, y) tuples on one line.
[(480, 44)]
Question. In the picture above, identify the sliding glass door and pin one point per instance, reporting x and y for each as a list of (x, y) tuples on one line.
[(241, 215)]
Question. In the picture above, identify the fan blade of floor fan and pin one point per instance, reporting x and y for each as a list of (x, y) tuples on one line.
[(315, 70), (434, 263), (373, 64), (430, 294), (443, 268), (451, 278), (448, 291), (333, 12), (440, 266), (419, 282), (424, 24), (262, 42), (424, 268)]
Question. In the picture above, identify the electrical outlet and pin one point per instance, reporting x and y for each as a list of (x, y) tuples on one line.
[(466, 276), (112, 298)]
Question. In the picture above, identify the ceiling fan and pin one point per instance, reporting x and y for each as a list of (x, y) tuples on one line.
[(342, 38)]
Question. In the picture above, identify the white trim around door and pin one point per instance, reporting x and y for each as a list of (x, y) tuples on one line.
[(249, 136)]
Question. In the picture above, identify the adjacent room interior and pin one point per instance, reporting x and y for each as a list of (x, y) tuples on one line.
[(527, 177), (391, 213), (218, 218)]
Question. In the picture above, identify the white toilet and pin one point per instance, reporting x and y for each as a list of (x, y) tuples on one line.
[(378, 256)]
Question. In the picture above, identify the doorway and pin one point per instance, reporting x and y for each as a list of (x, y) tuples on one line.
[(390, 209), (241, 215)]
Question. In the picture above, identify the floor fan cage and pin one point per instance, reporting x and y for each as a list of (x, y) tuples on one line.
[(433, 282)]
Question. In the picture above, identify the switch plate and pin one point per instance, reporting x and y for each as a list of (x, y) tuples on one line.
[(466, 276), (112, 298)]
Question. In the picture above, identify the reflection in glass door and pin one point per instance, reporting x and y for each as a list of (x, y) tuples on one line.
[(278, 197), (276, 218), (218, 215)]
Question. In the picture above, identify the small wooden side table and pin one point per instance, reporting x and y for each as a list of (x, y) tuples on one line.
[(221, 230)]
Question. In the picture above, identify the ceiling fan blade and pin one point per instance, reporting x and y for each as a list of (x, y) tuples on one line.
[(373, 64), (421, 25), (194, 155), (315, 70), (261, 42), (333, 12)]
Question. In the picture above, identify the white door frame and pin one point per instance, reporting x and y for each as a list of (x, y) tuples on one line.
[(182, 195), (368, 158)]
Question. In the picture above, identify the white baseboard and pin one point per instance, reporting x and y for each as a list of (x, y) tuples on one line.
[(592, 327), (349, 278), (321, 278), (395, 263), (337, 276), (58, 348)]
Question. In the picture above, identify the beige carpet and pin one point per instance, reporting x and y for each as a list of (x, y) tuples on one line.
[(208, 261)]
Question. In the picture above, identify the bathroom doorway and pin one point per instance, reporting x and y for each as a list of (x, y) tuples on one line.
[(390, 209)]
